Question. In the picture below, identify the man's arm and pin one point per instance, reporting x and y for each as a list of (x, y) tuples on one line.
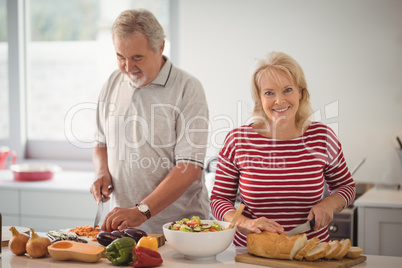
[(102, 175), (169, 190), (173, 186)]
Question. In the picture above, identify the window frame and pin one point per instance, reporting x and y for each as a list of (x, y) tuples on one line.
[(63, 153)]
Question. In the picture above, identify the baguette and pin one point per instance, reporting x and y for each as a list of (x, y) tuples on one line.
[(354, 252), (345, 243), (300, 255), (275, 246), (317, 252), (334, 250)]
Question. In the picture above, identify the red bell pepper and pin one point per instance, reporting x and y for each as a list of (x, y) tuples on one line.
[(145, 257)]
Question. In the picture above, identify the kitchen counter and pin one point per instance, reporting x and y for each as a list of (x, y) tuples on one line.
[(67, 181), (380, 198), (51, 204), (172, 258)]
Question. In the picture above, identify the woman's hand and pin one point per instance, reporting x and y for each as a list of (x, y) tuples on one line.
[(247, 226), (323, 212)]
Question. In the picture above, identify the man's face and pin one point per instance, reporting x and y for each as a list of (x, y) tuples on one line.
[(136, 60)]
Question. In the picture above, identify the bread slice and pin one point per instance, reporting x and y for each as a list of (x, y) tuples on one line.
[(335, 248), (345, 244), (317, 252), (354, 252), (300, 255), (275, 246)]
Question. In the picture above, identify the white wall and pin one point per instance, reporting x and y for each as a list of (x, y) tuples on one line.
[(351, 52)]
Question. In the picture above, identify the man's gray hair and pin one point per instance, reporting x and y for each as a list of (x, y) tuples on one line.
[(134, 21)]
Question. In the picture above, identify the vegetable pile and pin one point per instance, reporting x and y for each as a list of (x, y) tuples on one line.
[(65, 235), (125, 250), (194, 225), (87, 231), (34, 245), (105, 238)]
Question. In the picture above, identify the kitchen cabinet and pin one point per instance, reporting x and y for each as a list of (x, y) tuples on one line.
[(380, 222), (63, 202)]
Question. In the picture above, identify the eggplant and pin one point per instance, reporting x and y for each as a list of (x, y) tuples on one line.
[(105, 238), (118, 233), (134, 233)]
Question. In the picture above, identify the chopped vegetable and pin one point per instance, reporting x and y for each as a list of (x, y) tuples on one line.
[(87, 231), (194, 225), (65, 234)]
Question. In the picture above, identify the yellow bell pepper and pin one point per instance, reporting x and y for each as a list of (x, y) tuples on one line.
[(148, 242)]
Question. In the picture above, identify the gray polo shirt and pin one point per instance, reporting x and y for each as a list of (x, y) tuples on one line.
[(147, 131)]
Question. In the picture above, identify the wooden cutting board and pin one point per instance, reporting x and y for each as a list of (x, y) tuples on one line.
[(160, 237), (343, 263), (6, 234)]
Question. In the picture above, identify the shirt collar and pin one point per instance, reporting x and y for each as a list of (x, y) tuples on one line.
[(164, 73), (162, 77)]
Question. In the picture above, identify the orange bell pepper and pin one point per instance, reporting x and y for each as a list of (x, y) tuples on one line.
[(148, 242)]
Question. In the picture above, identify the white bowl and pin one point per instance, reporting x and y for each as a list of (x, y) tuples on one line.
[(200, 245)]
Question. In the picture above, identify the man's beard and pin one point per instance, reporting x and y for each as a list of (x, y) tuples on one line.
[(137, 82)]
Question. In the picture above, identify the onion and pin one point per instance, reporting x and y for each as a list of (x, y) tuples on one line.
[(18, 242), (37, 246)]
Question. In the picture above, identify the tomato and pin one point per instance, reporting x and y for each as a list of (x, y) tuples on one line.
[(192, 222)]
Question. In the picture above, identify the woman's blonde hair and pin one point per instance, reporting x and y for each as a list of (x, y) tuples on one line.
[(272, 64), (131, 22)]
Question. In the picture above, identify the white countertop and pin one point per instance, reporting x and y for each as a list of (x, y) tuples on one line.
[(380, 198), (77, 181), (172, 259)]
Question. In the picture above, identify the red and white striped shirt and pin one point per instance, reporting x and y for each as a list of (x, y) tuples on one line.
[(280, 179)]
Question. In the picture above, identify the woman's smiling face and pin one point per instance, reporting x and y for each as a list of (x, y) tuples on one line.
[(279, 97)]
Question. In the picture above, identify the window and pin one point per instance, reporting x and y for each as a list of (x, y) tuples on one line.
[(4, 114), (69, 55)]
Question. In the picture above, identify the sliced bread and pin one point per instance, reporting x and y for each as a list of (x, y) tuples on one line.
[(317, 252), (345, 246), (300, 255), (276, 246), (354, 252), (335, 248)]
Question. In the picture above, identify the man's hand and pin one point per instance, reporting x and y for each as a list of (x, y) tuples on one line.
[(102, 185), (103, 180), (121, 218)]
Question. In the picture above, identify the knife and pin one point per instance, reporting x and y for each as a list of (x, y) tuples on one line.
[(99, 212), (302, 228)]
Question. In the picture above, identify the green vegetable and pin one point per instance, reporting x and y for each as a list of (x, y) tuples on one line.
[(194, 225), (216, 226), (185, 228), (119, 251)]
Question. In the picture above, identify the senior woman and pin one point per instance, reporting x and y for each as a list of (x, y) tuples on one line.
[(280, 163)]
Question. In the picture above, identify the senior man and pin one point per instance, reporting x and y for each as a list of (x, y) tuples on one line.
[(152, 127)]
